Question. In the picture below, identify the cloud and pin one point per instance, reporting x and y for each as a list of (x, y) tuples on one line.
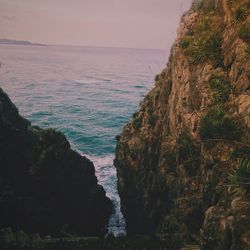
[(9, 18)]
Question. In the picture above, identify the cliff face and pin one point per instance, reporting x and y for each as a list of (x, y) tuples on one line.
[(45, 187), (178, 159)]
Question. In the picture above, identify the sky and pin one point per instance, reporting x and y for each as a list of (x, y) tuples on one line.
[(107, 23)]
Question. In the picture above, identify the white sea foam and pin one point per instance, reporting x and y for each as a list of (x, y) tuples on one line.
[(92, 80), (106, 175), (87, 81)]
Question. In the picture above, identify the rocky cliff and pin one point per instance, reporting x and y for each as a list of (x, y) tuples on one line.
[(45, 187), (183, 161)]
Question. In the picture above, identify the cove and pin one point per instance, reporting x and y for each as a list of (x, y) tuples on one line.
[(89, 94)]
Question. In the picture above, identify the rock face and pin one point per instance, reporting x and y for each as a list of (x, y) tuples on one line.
[(45, 187), (178, 159)]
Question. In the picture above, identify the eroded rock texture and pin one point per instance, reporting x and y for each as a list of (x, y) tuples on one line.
[(175, 157)]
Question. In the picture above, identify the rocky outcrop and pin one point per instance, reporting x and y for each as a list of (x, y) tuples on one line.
[(45, 187), (176, 157)]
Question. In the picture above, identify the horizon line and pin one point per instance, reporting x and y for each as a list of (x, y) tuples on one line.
[(76, 45)]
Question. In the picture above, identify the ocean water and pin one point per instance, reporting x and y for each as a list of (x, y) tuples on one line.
[(87, 93)]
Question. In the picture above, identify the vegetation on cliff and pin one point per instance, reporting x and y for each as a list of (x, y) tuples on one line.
[(185, 175)]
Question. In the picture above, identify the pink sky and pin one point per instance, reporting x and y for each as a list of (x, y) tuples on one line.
[(111, 23)]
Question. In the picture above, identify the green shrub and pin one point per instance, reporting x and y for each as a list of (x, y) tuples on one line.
[(205, 47), (137, 122), (188, 153), (248, 49), (241, 175), (150, 109), (36, 241), (194, 50), (244, 32), (22, 239), (221, 87), (186, 147), (135, 115), (212, 48), (184, 43), (240, 152), (217, 125), (202, 43), (170, 157), (203, 23), (157, 77), (152, 120), (7, 239), (197, 4), (240, 14)]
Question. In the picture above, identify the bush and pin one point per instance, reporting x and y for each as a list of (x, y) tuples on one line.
[(150, 109), (186, 147), (244, 32), (170, 158), (137, 122), (205, 47), (248, 49), (135, 115), (217, 125), (203, 23), (188, 154), (240, 14), (7, 239), (203, 44), (36, 241), (184, 43), (212, 48), (152, 120), (157, 77), (241, 175), (197, 4), (221, 87), (22, 240), (240, 152)]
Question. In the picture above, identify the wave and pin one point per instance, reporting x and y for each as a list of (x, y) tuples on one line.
[(91, 80), (86, 81), (99, 78), (106, 175), (105, 160), (139, 86)]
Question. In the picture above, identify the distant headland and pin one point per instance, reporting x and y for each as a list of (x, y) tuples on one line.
[(17, 42)]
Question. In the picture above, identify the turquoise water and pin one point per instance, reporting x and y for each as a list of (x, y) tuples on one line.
[(87, 93)]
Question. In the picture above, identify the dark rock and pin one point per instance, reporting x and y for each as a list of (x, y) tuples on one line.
[(44, 185)]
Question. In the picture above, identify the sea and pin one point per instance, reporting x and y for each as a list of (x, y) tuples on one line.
[(88, 93)]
